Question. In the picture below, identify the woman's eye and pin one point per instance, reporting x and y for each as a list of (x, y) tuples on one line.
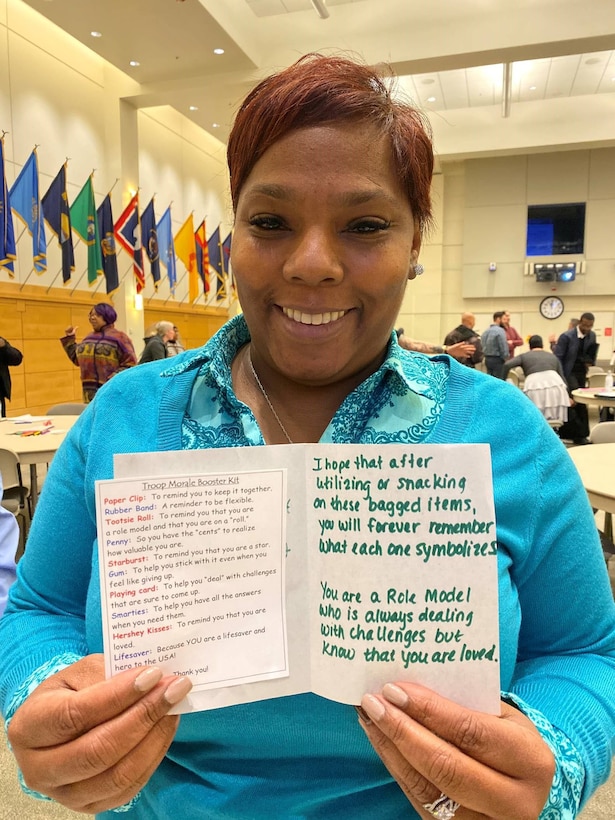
[(266, 222), (369, 226)]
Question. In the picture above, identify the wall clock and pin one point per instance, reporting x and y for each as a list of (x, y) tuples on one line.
[(551, 307)]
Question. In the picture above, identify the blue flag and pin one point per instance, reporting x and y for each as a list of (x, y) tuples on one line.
[(107, 244), (26, 203), (149, 241), (57, 216), (167, 247), (8, 252), (215, 261)]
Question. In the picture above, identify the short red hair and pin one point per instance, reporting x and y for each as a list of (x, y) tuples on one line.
[(318, 90)]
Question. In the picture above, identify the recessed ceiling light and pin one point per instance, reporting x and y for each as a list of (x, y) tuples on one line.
[(96, 34), (194, 108), (532, 88), (427, 81), (215, 125), (592, 61), (218, 51), (431, 99), (134, 63)]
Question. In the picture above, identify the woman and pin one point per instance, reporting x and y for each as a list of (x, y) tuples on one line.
[(544, 381), (102, 353), (330, 181), (156, 344)]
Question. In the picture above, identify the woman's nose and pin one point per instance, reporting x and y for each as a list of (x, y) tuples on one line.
[(314, 259)]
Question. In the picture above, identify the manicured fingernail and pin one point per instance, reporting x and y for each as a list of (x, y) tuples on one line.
[(147, 679), (395, 695), (373, 707), (177, 690)]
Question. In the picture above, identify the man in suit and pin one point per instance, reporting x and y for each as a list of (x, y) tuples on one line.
[(9, 357), (576, 350)]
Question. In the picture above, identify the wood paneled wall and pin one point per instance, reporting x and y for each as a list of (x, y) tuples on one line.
[(34, 320)]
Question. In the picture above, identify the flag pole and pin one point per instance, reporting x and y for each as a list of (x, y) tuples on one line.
[(54, 279), (101, 279)]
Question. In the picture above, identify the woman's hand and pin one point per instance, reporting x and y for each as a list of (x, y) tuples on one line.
[(495, 767), (90, 743), (70, 331)]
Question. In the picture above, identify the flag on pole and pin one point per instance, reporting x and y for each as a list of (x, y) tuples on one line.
[(128, 234), (215, 260), (167, 247), (226, 261), (107, 244), (202, 256), (85, 224), (26, 203), (149, 240), (57, 216), (8, 252), (185, 248)]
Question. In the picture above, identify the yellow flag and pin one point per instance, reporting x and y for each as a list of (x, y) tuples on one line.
[(185, 249)]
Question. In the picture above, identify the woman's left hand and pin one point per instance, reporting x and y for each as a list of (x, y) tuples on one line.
[(493, 766)]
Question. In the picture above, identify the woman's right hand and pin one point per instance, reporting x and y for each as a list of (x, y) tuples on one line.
[(70, 331), (91, 744)]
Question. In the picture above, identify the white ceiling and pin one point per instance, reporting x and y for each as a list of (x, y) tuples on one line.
[(449, 54)]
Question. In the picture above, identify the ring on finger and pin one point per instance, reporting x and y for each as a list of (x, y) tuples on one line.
[(443, 808)]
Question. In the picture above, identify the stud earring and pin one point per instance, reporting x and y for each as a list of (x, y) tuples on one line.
[(418, 269)]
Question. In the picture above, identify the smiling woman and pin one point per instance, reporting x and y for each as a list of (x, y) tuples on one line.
[(330, 180)]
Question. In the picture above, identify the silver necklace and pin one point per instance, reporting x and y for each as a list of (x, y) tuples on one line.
[(267, 399)]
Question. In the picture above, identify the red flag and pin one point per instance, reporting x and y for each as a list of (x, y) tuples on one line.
[(128, 233)]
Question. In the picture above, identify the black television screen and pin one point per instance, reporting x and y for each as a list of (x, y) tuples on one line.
[(555, 229), (555, 272)]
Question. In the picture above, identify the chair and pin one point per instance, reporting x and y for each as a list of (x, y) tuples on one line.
[(603, 433), (15, 494), (594, 368), (513, 378), (596, 379), (66, 409)]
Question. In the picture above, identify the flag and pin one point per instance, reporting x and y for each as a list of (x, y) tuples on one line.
[(85, 224), (167, 247), (128, 234), (226, 260), (57, 216), (107, 244), (26, 203), (8, 252), (149, 240), (202, 256), (185, 248), (215, 261)]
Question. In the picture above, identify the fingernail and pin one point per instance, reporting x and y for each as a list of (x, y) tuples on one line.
[(373, 707), (146, 681), (177, 690), (395, 695)]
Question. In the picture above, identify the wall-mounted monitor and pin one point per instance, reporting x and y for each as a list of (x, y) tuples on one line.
[(553, 230), (555, 272)]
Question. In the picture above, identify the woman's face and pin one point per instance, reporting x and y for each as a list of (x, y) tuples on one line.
[(96, 321), (323, 246)]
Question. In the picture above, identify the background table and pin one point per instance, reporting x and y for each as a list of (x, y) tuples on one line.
[(595, 464), (587, 395), (35, 450)]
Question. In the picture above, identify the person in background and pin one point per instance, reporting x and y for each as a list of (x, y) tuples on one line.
[(330, 178), (461, 350), (175, 347), (464, 332), (102, 353), (577, 349), (544, 381), (9, 541), (513, 339), (156, 345), (495, 346), (9, 357), (553, 338)]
